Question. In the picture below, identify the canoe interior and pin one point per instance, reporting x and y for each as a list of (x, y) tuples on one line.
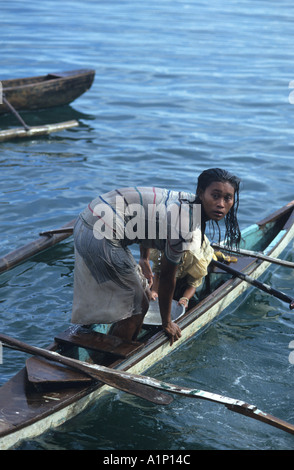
[(20, 82), (41, 390)]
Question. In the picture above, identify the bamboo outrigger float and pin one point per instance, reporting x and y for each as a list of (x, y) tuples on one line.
[(36, 131), (35, 93), (45, 394)]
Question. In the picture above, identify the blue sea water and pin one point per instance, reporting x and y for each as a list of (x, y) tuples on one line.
[(180, 86)]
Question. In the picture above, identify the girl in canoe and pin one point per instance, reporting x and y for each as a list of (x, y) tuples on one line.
[(109, 286)]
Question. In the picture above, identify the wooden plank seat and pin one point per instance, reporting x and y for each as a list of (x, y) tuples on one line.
[(93, 340), (41, 371)]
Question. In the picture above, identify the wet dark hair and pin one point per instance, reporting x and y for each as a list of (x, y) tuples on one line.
[(205, 179)]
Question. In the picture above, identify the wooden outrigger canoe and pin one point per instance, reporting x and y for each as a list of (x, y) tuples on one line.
[(47, 91), (44, 395)]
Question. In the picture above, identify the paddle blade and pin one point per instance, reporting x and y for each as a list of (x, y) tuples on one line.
[(137, 389), (255, 413)]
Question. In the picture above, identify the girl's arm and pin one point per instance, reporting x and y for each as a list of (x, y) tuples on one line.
[(166, 289), (155, 285), (145, 264), (188, 294)]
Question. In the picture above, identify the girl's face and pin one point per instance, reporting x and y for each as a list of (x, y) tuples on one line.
[(217, 200)]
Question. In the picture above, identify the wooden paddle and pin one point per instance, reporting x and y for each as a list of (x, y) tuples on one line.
[(122, 380), (255, 254), (260, 285), (98, 373)]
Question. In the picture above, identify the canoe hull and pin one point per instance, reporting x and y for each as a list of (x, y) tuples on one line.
[(38, 412), (47, 91)]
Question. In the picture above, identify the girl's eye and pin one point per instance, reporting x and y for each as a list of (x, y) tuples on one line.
[(227, 198)]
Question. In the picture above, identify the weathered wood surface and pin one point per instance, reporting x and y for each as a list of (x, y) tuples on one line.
[(35, 131), (276, 215), (147, 387), (98, 373), (88, 339), (255, 254), (46, 91), (41, 371), (40, 244), (254, 282)]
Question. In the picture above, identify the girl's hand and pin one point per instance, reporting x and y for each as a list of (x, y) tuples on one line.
[(184, 301), (146, 270), (172, 331), (153, 295)]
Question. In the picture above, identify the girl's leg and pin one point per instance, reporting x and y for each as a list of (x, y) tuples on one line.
[(129, 328)]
